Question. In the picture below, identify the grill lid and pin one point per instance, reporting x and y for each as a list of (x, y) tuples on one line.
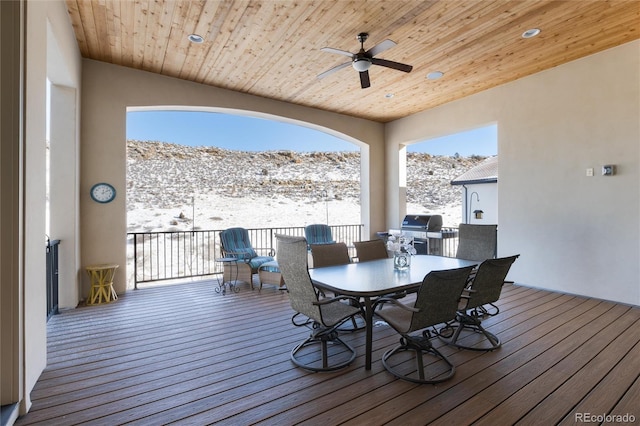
[(423, 222)]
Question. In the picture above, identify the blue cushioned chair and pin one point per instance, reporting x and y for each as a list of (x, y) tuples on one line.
[(318, 234), (235, 243)]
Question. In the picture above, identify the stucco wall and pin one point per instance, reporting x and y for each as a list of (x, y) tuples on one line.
[(107, 91), (50, 43), (575, 234)]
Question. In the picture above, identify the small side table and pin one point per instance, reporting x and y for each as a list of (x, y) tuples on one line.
[(102, 283), (222, 284)]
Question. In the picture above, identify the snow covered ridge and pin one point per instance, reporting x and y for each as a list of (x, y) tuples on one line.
[(169, 184)]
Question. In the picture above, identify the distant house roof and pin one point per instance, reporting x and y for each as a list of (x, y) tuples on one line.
[(485, 172)]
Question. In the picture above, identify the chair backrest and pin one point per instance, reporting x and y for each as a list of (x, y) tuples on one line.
[(292, 261), (488, 281), (370, 250), (435, 223), (477, 242), (329, 254), (318, 234), (235, 242), (438, 297)]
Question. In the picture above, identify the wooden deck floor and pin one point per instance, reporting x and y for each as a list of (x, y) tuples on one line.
[(185, 354)]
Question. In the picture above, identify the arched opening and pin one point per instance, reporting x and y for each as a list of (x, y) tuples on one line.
[(192, 174)]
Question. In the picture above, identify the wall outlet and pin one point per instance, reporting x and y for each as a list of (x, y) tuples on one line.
[(590, 171)]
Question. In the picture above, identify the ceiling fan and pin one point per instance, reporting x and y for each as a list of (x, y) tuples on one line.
[(363, 60)]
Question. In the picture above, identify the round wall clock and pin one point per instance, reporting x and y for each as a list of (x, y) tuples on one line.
[(103, 192)]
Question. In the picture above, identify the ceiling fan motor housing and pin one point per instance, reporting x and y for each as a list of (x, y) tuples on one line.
[(361, 62)]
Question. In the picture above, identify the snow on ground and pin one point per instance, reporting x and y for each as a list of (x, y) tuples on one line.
[(169, 185), (215, 211)]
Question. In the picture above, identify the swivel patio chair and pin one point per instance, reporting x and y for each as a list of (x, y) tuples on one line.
[(466, 331), (329, 254), (235, 243), (370, 250), (318, 234), (436, 303), (477, 242), (373, 250), (324, 315)]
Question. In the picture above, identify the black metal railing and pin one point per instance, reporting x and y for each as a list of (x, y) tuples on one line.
[(52, 277), (169, 255)]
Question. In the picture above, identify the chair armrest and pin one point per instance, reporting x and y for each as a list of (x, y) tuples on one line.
[(467, 292), (240, 255), (270, 251), (339, 298), (465, 297), (393, 301)]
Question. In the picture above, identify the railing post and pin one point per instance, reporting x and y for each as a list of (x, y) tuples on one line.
[(135, 261), (52, 277)]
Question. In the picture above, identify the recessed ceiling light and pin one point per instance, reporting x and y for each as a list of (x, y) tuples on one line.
[(389, 95), (531, 33), (195, 38), (435, 75)]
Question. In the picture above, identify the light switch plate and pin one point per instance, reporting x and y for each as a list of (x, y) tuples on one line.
[(590, 171)]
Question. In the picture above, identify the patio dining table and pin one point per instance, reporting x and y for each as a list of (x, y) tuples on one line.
[(372, 279)]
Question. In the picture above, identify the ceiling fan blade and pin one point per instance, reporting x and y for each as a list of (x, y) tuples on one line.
[(390, 64), (334, 69), (381, 47), (364, 79), (338, 51)]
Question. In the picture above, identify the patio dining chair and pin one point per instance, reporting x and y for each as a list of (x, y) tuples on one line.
[(235, 243), (324, 315), (370, 250), (436, 303), (466, 331), (477, 242), (373, 250), (318, 234), (323, 255), (329, 254)]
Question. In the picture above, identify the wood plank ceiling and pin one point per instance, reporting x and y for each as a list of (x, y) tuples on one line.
[(271, 48)]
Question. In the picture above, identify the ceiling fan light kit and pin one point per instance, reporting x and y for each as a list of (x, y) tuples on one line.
[(361, 64), (363, 60)]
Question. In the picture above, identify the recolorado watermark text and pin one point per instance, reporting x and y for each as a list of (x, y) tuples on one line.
[(608, 418)]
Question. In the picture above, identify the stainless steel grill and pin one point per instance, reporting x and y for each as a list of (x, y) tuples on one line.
[(422, 228)]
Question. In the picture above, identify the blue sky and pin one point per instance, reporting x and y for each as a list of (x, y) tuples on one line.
[(254, 134)]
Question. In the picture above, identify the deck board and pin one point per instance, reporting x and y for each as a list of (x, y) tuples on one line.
[(185, 354)]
